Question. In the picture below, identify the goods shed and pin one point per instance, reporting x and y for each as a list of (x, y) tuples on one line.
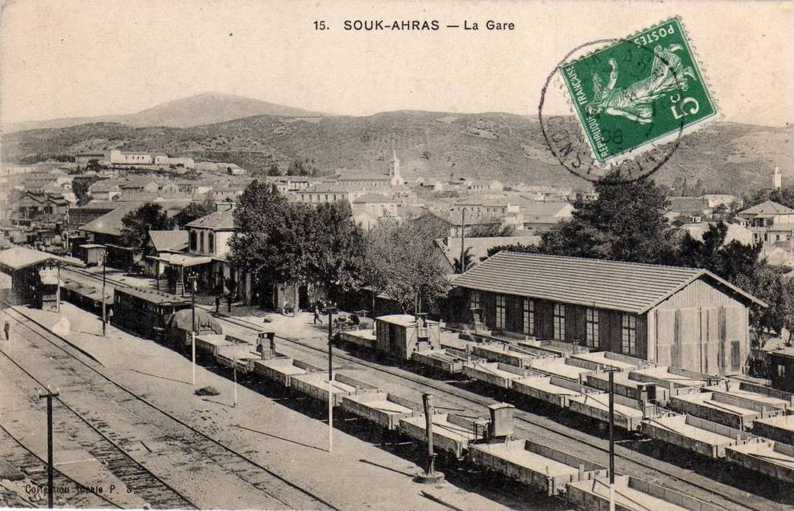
[(685, 318)]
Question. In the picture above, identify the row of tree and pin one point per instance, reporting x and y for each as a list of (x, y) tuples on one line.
[(285, 242)]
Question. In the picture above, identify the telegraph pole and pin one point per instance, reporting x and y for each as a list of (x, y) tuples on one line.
[(430, 476), (58, 291), (462, 238), (611, 439), (104, 307), (50, 461), (330, 311), (192, 280)]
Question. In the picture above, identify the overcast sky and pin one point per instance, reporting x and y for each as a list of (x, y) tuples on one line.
[(63, 58)]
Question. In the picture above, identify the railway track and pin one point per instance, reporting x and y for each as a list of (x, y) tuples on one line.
[(138, 479), (70, 493), (277, 492), (632, 461)]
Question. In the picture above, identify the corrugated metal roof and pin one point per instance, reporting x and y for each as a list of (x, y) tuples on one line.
[(629, 287)]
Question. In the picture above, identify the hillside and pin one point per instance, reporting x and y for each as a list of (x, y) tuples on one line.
[(181, 113), (728, 157)]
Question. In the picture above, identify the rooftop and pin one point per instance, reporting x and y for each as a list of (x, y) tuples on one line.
[(219, 220), (168, 240), (374, 198), (17, 258), (616, 285), (110, 222), (767, 208)]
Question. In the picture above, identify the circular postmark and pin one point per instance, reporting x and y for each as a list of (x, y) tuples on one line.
[(613, 130)]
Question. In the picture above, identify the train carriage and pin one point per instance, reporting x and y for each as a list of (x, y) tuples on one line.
[(145, 311)]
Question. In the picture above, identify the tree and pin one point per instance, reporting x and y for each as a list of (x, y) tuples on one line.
[(284, 242), (517, 247), (80, 186), (625, 223), (267, 241), (468, 261), (194, 211), (273, 170), (405, 263), (490, 231), (337, 247), (137, 223)]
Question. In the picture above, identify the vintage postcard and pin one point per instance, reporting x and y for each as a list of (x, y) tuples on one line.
[(397, 255)]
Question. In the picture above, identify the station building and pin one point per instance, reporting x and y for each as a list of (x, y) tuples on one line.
[(685, 318)]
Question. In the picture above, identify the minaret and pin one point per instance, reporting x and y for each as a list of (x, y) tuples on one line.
[(394, 172), (777, 179)]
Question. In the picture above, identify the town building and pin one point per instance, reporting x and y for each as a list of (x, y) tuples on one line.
[(685, 318), (105, 190), (688, 209), (39, 208), (769, 221), (541, 216), (118, 157)]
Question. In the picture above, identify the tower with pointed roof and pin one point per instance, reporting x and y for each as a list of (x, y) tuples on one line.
[(777, 179), (394, 170)]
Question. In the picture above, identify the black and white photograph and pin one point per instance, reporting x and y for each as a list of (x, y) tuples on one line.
[(360, 255)]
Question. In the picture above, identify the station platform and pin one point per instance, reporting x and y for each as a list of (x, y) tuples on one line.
[(451, 433), (538, 466), (494, 373), (779, 429), (774, 459), (694, 434)]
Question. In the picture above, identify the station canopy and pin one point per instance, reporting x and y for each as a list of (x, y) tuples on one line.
[(19, 258)]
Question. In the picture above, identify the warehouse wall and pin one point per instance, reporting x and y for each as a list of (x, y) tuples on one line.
[(700, 328)]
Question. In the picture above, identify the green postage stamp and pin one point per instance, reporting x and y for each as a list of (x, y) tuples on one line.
[(639, 93)]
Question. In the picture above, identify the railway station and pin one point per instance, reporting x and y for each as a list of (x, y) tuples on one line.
[(711, 415)]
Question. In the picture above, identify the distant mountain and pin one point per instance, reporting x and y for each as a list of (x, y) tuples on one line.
[(727, 157), (196, 110)]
